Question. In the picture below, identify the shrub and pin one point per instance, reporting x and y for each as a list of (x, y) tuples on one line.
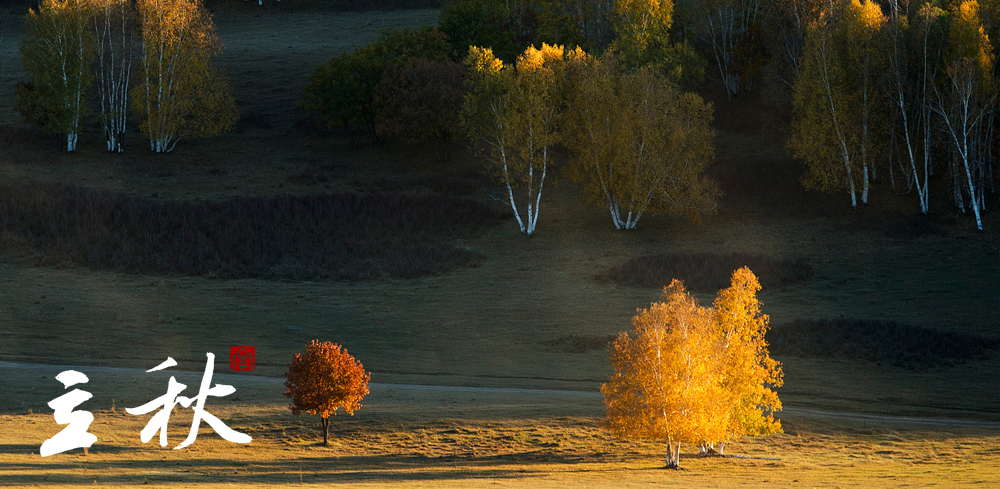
[(475, 23), (343, 90), (707, 272), (421, 101), (35, 109), (878, 341), (339, 236)]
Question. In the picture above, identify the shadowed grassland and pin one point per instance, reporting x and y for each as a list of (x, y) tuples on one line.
[(533, 313), (707, 272), (315, 237), (877, 342)]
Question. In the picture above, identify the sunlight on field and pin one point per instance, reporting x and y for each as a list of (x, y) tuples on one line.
[(461, 437), (449, 452), (486, 335)]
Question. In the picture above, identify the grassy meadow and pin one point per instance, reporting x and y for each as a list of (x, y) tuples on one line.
[(510, 313)]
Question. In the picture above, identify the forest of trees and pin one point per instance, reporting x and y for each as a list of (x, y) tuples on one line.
[(152, 55), (883, 97)]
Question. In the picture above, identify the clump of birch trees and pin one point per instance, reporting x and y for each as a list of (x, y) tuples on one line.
[(639, 144), (150, 55), (692, 374), (902, 91)]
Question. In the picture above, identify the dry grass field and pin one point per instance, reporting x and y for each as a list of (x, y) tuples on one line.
[(416, 436), (517, 320)]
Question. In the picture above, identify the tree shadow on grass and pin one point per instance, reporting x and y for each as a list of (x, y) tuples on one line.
[(74, 468)]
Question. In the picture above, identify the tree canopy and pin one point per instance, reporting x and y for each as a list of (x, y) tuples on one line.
[(693, 374), (57, 50), (324, 380), (640, 144)]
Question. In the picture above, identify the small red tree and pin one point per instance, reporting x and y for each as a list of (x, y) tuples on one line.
[(324, 379)]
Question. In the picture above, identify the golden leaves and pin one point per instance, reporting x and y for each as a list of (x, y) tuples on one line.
[(180, 93), (640, 144), (693, 374), (482, 62)]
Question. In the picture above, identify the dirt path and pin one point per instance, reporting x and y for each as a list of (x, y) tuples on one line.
[(459, 398)]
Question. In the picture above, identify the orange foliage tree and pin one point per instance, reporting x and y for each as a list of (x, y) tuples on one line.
[(324, 379), (694, 374)]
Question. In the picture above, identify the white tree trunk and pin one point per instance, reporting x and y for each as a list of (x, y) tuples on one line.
[(673, 454)]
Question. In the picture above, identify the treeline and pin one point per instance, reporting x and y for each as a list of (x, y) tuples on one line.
[(640, 142), (153, 56), (903, 91), (897, 92)]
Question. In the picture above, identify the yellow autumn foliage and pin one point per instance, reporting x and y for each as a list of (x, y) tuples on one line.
[(693, 374)]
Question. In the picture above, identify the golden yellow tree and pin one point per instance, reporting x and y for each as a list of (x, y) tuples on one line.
[(694, 374), (512, 118), (179, 93), (640, 144), (749, 374), (666, 383)]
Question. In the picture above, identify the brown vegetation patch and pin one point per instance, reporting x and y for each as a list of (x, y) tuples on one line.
[(425, 182), (26, 135), (323, 236), (576, 343), (880, 342), (707, 272)]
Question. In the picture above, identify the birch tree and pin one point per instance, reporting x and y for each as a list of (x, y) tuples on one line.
[(693, 374), (790, 23), (640, 145), (511, 117), (834, 99), (115, 27), (749, 375), (970, 97), (56, 51), (916, 41), (732, 28), (179, 92), (665, 380)]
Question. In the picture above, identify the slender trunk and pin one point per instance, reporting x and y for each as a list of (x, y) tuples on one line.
[(972, 194), (832, 106), (673, 454), (326, 430), (864, 192)]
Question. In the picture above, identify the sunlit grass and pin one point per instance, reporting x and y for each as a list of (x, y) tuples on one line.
[(441, 452)]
